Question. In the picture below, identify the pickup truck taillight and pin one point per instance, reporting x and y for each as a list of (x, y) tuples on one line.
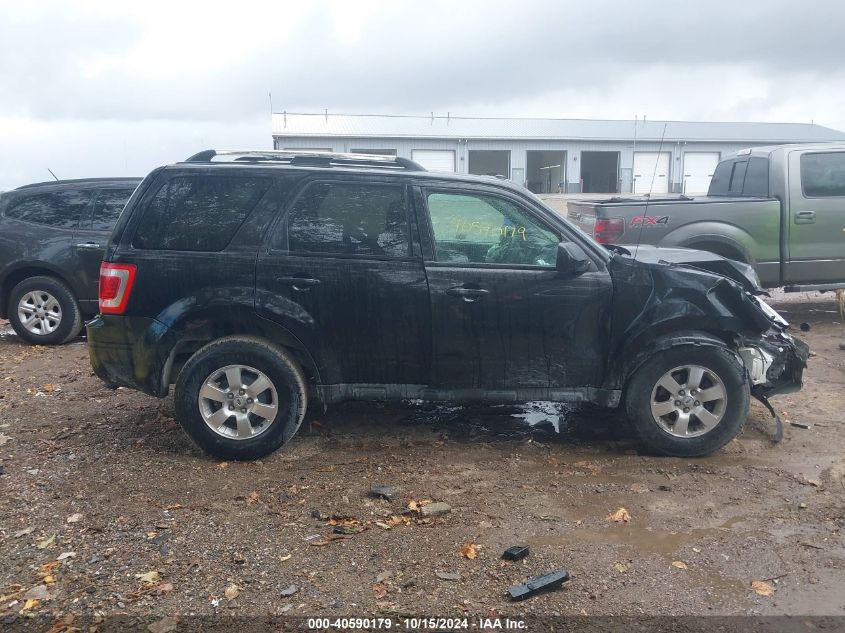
[(115, 286), (608, 230)]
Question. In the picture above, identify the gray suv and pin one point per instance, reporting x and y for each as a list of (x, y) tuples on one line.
[(52, 239)]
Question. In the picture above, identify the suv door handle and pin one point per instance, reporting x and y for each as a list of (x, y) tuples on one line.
[(805, 217), (467, 294), (88, 246), (300, 284)]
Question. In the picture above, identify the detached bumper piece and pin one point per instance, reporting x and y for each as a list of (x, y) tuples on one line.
[(535, 584)]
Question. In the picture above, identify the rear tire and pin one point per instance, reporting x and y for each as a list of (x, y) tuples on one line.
[(240, 397), (43, 311), (688, 401)]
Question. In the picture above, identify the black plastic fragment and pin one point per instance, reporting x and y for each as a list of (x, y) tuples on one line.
[(536, 584), (516, 552), (382, 492)]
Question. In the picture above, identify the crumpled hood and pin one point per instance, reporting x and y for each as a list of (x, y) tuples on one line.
[(739, 272)]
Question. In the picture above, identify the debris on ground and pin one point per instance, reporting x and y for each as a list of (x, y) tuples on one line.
[(435, 509), (620, 515), (536, 584), (288, 591), (762, 588), (515, 553), (382, 492), (447, 575), (469, 550), (801, 425)]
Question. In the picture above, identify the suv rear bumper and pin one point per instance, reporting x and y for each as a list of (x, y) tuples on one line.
[(130, 352)]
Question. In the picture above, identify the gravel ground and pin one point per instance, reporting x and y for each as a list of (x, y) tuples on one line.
[(107, 508)]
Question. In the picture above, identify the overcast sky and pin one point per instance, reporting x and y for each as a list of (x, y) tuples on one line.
[(105, 88)]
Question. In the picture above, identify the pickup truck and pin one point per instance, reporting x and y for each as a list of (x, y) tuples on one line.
[(780, 209)]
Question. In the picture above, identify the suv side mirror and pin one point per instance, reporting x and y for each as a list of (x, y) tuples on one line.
[(571, 259)]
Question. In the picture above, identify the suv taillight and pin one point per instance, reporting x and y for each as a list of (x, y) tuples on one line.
[(115, 285), (608, 230)]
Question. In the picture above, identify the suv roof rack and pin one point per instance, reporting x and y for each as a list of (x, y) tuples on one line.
[(306, 159)]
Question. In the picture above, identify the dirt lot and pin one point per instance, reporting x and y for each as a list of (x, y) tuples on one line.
[(145, 524)]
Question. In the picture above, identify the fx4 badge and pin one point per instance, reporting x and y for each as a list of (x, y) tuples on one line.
[(649, 220)]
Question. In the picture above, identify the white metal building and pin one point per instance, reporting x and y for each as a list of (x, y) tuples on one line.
[(548, 155)]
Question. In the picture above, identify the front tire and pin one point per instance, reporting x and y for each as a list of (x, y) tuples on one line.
[(43, 311), (688, 401), (240, 397)]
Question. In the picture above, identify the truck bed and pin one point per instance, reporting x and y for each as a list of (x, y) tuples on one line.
[(741, 228)]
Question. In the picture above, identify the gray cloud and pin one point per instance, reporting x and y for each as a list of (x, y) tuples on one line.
[(167, 77)]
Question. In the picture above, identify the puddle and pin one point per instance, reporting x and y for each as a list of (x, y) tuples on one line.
[(7, 331), (545, 421), (640, 539), (544, 414)]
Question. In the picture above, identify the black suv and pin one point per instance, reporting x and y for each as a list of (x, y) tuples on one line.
[(52, 239), (258, 282)]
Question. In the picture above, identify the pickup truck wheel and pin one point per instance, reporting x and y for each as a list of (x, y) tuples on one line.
[(240, 398), (43, 311), (688, 401)]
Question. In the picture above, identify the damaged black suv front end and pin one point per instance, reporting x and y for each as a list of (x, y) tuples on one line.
[(667, 291)]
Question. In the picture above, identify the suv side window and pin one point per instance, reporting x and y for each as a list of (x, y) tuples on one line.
[(60, 209), (107, 208), (346, 218), (823, 174), (476, 228), (198, 213)]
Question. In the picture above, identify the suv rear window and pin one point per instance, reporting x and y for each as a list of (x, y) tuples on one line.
[(107, 208), (61, 209), (350, 219), (198, 213), (823, 174)]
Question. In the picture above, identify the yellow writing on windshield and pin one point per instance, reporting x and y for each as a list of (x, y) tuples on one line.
[(462, 227)]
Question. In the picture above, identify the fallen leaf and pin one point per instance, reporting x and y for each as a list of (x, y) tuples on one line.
[(149, 578), (223, 465), (620, 567), (679, 564), (620, 515), (379, 590), (47, 542), (74, 518), (232, 592), (285, 557), (469, 550), (65, 555), (762, 588), (24, 532), (165, 625), (29, 605), (252, 497), (415, 505)]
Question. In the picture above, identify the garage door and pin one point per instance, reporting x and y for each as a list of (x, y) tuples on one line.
[(698, 170), (651, 167), (435, 159)]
